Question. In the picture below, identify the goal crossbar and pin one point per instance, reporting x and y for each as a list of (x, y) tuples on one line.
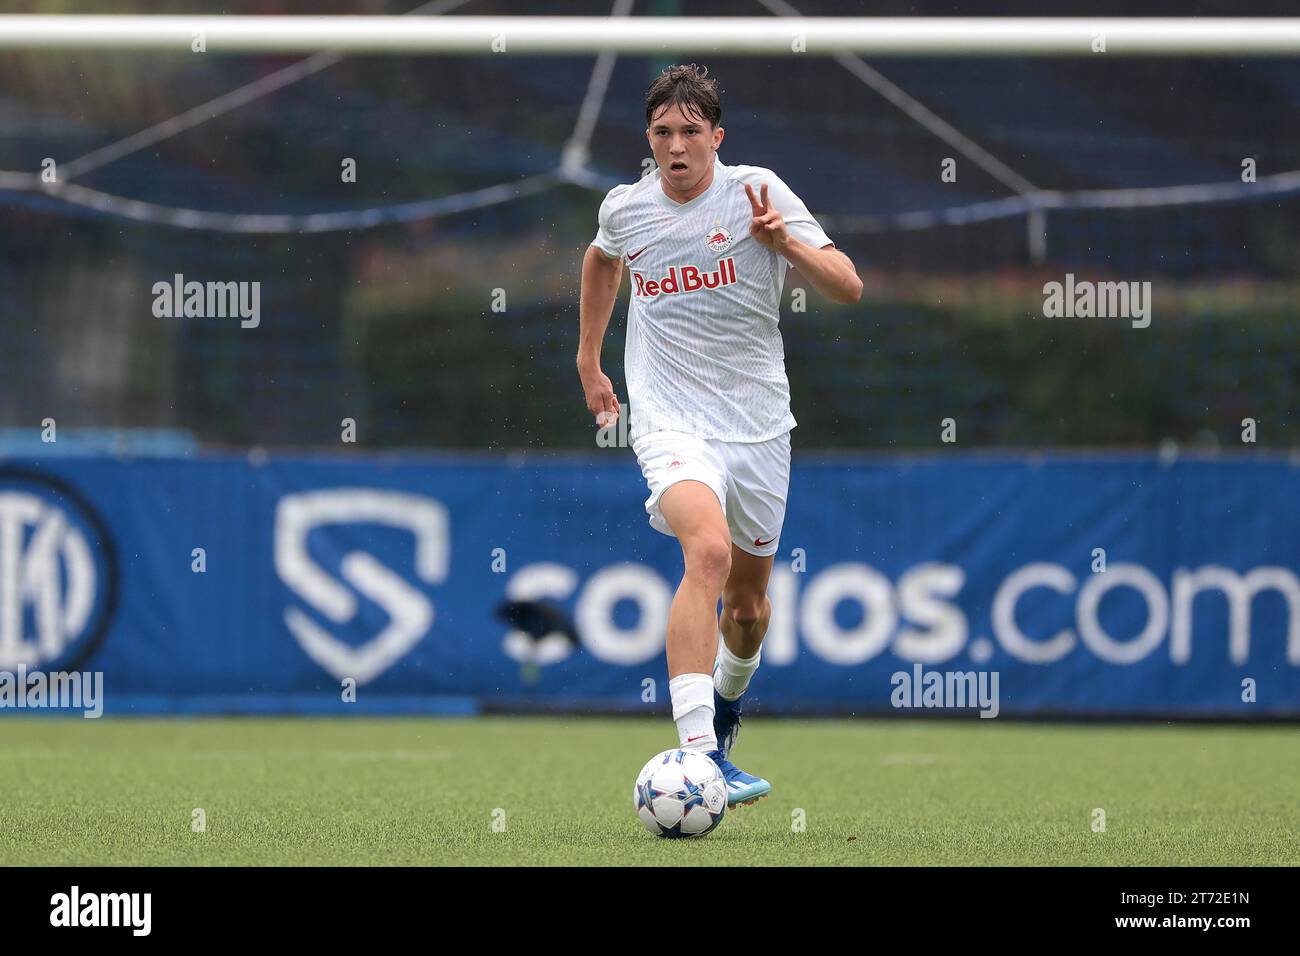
[(739, 36)]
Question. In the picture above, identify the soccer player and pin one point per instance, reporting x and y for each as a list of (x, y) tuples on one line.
[(707, 246)]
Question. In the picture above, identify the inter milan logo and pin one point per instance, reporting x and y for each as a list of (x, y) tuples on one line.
[(718, 239), (58, 574)]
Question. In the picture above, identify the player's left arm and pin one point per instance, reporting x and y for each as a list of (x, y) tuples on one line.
[(828, 270)]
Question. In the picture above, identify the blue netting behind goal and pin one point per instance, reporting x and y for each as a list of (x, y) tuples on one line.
[(435, 298)]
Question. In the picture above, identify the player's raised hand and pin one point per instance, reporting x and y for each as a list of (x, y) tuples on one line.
[(768, 225)]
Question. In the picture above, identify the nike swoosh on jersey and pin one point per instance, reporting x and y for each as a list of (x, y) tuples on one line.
[(631, 257)]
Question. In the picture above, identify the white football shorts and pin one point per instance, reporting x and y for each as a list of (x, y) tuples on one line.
[(751, 480)]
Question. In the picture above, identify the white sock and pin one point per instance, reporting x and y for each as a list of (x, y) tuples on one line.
[(731, 674), (692, 696)]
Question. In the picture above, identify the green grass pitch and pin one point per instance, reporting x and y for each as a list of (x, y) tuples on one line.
[(427, 791)]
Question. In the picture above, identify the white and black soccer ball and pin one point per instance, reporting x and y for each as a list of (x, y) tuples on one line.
[(680, 793)]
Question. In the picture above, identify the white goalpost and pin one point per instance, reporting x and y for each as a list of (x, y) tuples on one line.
[(742, 36)]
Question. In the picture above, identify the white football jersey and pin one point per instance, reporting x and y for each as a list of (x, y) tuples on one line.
[(704, 354)]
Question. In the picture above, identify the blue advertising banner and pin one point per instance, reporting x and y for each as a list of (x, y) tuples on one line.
[(1012, 585)]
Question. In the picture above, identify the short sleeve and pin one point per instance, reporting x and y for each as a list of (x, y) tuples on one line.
[(798, 220), (608, 240)]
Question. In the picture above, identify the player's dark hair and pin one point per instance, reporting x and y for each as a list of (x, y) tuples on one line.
[(689, 87)]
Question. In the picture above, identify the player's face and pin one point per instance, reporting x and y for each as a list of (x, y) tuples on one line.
[(683, 146)]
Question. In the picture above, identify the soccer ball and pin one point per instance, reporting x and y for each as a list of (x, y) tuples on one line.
[(680, 793)]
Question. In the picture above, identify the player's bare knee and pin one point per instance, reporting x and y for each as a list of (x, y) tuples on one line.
[(746, 608), (708, 559)]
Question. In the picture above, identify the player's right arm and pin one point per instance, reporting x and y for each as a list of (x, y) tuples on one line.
[(601, 277)]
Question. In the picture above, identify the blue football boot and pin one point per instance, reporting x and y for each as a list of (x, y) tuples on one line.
[(742, 788)]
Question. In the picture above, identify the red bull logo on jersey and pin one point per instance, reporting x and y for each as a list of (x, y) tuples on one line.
[(686, 279)]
